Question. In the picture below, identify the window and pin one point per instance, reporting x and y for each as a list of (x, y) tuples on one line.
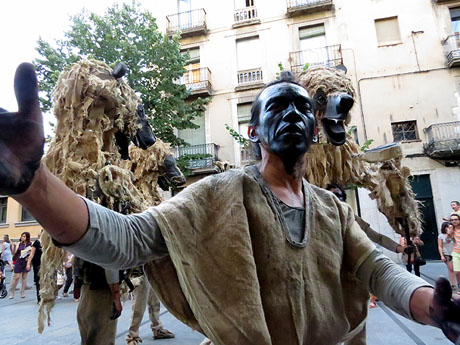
[(455, 18), (193, 74), (3, 208), (194, 136), (194, 55), (404, 131), (244, 116), (249, 53), (26, 216), (387, 31), (312, 45), (243, 3)]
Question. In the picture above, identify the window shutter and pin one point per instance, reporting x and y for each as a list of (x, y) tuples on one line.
[(311, 31)]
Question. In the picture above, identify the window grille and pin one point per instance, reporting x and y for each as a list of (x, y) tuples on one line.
[(404, 131)]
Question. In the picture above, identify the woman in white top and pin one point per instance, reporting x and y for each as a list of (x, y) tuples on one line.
[(7, 257), (446, 242)]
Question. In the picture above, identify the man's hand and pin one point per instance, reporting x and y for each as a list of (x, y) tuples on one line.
[(445, 311), (21, 135), (116, 298)]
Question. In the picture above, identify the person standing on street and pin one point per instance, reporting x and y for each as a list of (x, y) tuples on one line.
[(455, 220), (35, 259)]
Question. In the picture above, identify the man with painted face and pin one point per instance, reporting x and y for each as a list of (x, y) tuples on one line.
[(239, 255)]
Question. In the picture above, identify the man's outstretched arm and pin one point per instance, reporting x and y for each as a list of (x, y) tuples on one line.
[(60, 211), (411, 296)]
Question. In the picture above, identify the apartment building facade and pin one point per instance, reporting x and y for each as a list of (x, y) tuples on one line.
[(14, 220), (405, 69)]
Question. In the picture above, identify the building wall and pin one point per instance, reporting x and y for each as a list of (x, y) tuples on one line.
[(14, 227), (406, 80)]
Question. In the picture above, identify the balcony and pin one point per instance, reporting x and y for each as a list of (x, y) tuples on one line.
[(301, 7), (245, 16), (250, 79), (197, 81), (452, 50), (190, 23), (443, 142), (329, 56), (246, 156), (203, 157)]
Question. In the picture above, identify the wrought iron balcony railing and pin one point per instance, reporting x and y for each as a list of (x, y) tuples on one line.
[(197, 80), (443, 140), (250, 77), (451, 46), (201, 156), (246, 14), (329, 56), (307, 6), (189, 23)]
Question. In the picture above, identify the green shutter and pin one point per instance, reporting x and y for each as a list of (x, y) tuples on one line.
[(243, 112), (311, 31)]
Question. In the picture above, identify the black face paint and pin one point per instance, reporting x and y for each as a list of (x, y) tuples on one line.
[(286, 122)]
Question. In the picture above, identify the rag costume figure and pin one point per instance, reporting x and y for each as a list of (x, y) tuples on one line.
[(238, 255)]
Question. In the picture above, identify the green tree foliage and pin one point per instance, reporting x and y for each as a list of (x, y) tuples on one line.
[(237, 136), (130, 35)]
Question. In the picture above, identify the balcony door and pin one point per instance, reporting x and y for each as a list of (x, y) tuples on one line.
[(313, 46), (239, 4), (421, 186), (193, 136), (193, 74), (455, 19), (184, 8)]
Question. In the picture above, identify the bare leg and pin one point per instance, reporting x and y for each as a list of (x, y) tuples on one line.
[(450, 268), (14, 283), (457, 276), (23, 283)]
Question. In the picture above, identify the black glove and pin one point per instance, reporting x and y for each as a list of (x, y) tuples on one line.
[(21, 135), (445, 311)]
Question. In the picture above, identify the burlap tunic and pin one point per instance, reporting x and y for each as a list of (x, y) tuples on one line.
[(231, 270), (244, 279)]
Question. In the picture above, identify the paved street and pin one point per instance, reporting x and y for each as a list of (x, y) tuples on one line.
[(19, 323)]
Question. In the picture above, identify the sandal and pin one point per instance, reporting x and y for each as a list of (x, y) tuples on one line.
[(162, 333), (133, 340)]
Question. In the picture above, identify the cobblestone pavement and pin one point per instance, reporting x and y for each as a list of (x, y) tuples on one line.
[(19, 322)]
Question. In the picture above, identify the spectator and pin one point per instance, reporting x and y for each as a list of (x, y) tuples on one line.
[(6, 251), (455, 220), (34, 259), (446, 242), (455, 205), (20, 256), (68, 266), (415, 259)]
